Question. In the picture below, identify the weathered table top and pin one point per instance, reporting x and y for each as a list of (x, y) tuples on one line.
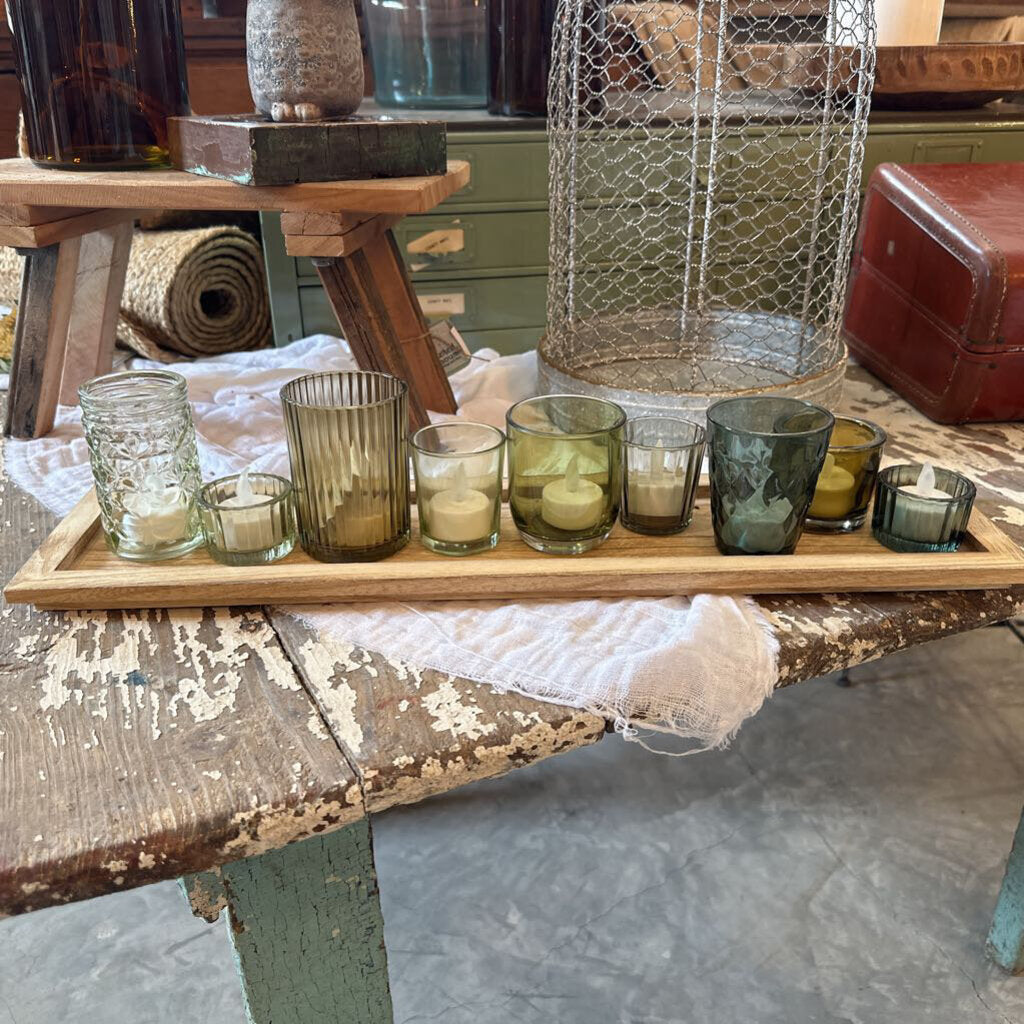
[(139, 746)]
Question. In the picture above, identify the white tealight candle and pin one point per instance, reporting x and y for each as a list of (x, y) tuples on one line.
[(921, 520), (248, 529), (657, 493), (758, 527), (156, 514), (573, 502), (460, 514)]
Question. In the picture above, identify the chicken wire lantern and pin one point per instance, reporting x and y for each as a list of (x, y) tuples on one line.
[(705, 164)]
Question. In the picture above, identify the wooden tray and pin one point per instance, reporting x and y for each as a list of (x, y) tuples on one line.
[(74, 569)]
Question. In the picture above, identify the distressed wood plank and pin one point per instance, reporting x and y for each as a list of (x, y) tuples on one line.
[(140, 746), (307, 930), (340, 244), (35, 236), (41, 337), (23, 184), (412, 733)]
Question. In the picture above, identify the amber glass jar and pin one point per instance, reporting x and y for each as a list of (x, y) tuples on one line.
[(99, 78)]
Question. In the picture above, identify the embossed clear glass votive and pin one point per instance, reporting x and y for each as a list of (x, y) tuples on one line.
[(847, 480), (661, 464), (142, 446), (765, 457), (347, 443), (248, 519), (565, 471), (906, 521), (458, 486)]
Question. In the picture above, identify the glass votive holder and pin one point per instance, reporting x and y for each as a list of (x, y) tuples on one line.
[(349, 454), (847, 480), (565, 471), (765, 455), (458, 470), (142, 447), (913, 513), (662, 457), (248, 518)]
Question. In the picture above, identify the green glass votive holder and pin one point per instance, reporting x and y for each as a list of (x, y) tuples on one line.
[(565, 471), (765, 455), (661, 464), (915, 513), (458, 469), (248, 519), (349, 453), (847, 480)]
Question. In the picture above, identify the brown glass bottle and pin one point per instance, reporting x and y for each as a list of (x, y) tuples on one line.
[(99, 78), (519, 47)]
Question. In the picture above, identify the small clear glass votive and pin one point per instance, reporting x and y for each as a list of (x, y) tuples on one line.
[(847, 480), (458, 470), (565, 471), (349, 453), (662, 457), (911, 515), (765, 457), (142, 447), (248, 518)]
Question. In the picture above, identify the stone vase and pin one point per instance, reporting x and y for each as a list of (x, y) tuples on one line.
[(305, 59)]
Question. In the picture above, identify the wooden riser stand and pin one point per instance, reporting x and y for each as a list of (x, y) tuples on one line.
[(77, 255)]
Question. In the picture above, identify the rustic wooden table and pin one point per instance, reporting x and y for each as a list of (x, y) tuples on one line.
[(140, 746), (75, 231)]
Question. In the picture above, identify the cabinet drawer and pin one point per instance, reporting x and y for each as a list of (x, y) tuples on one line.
[(506, 174)]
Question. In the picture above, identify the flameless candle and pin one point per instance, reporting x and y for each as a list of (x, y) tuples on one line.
[(658, 493), (921, 508), (754, 525), (248, 529), (920, 520), (835, 491), (572, 503), (155, 514), (459, 513)]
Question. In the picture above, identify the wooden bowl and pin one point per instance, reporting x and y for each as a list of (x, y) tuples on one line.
[(946, 76)]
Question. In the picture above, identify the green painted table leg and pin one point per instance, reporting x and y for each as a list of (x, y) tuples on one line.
[(307, 930), (1006, 939)]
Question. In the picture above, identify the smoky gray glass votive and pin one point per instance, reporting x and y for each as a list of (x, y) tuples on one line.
[(458, 470), (765, 455), (142, 447), (912, 514), (661, 464), (565, 471), (349, 463), (248, 518)]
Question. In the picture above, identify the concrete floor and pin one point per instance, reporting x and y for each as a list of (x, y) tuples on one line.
[(839, 864)]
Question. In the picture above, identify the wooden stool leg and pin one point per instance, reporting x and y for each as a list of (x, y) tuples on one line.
[(380, 318), (102, 264), (41, 337), (1006, 938), (306, 925)]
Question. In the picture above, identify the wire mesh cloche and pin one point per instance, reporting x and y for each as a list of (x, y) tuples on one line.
[(705, 163)]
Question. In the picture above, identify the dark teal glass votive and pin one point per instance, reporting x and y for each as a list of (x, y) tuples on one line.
[(765, 456), (921, 508)]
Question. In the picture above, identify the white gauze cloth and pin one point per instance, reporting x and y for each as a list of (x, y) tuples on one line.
[(695, 667)]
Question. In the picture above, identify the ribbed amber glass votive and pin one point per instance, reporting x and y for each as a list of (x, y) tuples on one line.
[(565, 471), (350, 463)]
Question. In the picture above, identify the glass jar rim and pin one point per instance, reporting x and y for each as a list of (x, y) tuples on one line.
[(440, 427), (620, 418), (94, 390), (885, 480), (797, 404), (701, 433), (270, 498), (878, 436), (401, 390)]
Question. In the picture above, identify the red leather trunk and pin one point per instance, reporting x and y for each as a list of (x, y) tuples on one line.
[(935, 305)]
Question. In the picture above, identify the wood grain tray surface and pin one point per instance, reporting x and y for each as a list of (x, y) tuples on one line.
[(74, 570)]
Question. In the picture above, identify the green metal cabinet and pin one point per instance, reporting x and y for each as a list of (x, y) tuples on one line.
[(480, 259)]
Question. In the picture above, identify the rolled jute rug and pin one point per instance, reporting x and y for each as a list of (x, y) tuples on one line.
[(199, 292)]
